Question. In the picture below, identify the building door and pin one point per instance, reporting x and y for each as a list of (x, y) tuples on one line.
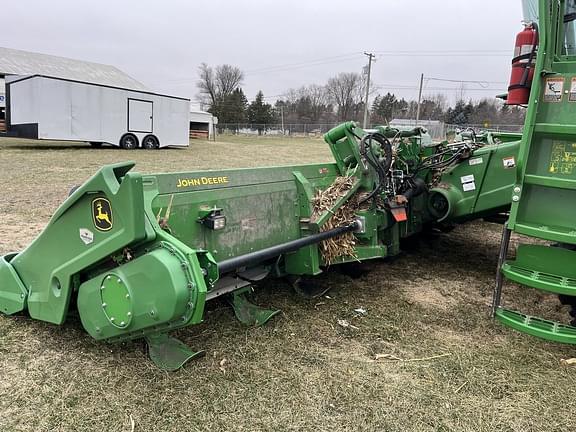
[(140, 116)]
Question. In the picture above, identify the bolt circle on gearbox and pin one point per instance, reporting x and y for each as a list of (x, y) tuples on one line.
[(116, 301)]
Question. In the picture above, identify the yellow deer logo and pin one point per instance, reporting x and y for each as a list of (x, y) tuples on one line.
[(102, 214)]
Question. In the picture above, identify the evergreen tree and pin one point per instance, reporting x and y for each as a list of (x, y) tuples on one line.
[(384, 108), (234, 107), (260, 113), (459, 114)]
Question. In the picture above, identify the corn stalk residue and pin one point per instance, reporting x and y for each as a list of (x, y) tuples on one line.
[(323, 201)]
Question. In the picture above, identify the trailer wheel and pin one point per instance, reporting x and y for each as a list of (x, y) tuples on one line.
[(150, 142), (129, 142), (95, 144)]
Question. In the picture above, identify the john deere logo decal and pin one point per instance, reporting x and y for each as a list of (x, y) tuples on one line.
[(102, 214)]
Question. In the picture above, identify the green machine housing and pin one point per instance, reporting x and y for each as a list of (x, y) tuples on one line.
[(140, 255)]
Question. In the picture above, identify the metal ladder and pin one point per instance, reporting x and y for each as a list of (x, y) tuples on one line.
[(544, 196)]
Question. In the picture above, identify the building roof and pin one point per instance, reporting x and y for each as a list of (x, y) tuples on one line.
[(409, 122), (202, 116), (16, 62)]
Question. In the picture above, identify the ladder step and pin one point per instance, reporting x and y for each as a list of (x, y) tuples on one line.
[(542, 281), (554, 128), (544, 329), (545, 268), (549, 181), (547, 232)]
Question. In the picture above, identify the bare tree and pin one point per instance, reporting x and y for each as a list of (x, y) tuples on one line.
[(460, 92), (440, 100), (319, 99), (291, 96), (228, 78), (207, 85), (345, 90), (216, 85), (433, 106)]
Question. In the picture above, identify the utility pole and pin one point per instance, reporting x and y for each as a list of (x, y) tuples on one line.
[(365, 122), (419, 99), (282, 117)]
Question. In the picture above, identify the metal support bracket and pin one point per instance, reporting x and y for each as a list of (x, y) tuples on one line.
[(504, 244), (248, 313), (169, 353)]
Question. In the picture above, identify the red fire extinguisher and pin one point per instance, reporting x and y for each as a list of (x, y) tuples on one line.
[(523, 65)]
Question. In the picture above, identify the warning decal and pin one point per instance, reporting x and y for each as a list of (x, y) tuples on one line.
[(86, 236), (562, 158), (553, 88), (572, 95), (509, 162)]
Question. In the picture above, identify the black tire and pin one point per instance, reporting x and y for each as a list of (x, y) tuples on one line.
[(95, 144), (150, 142), (129, 142)]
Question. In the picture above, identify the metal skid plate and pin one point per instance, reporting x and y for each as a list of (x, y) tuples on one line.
[(248, 313), (169, 353)]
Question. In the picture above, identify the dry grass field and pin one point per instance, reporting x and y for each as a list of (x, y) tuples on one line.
[(448, 367)]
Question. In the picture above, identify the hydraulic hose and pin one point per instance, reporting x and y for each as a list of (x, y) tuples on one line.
[(291, 246), (381, 168)]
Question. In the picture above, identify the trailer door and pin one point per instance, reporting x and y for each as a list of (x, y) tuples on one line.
[(140, 115)]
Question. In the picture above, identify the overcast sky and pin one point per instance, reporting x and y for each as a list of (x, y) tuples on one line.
[(279, 45)]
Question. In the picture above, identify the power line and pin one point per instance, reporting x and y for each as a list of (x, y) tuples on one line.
[(280, 68), (465, 81), (305, 63), (450, 51), (470, 53), (352, 55), (438, 88)]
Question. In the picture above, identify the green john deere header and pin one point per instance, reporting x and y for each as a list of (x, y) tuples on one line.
[(140, 255)]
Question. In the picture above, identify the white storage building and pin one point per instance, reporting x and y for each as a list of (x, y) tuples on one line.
[(202, 124)]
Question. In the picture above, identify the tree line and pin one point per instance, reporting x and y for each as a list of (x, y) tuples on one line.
[(340, 99)]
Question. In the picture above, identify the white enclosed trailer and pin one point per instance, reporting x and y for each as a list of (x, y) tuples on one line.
[(43, 107)]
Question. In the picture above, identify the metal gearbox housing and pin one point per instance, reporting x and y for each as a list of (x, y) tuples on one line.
[(155, 290)]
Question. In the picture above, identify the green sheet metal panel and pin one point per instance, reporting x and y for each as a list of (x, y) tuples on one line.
[(257, 216), (262, 206), (77, 237)]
